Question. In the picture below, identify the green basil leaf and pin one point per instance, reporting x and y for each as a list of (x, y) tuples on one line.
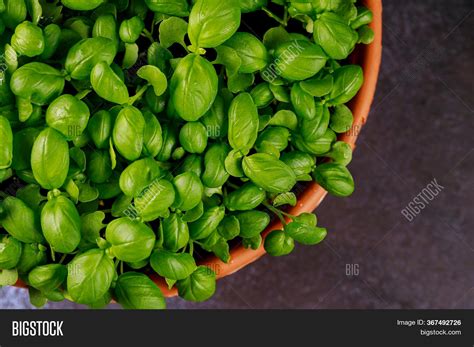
[(130, 29), (301, 163), (253, 54), (28, 39), (32, 255), (285, 199), (52, 35), (90, 276), (50, 159), (38, 82), (15, 12), (139, 175), (8, 277), (215, 173), (341, 153), (61, 224), (342, 119), (100, 129), (80, 5), (247, 197), (305, 234), (108, 85), (175, 233), (20, 221), (194, 214), (155, 77), (212, 22), (171, 265), (173, 30), (68, 115), (47, 278), (207, 224), (278, 243), (136, 291), (247, 6), (269, 173), (128, 133), (189, 191), (131, 241), (298, 60), (86, 54), (243, 123), (155, 200), (6, 146), (336, 37), (10, 252), (335, 178), (347, 82), (318, 87), (130, 57), (229, 228), (252, 223), (199, 286), (193, 87), (178, 8)]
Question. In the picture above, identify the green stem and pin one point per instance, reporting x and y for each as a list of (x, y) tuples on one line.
[(232, 185), (121, 267), (277, 212), (191, 247), (62, 258), (137, 96), (148, 35), (53, 254), (274, 16)]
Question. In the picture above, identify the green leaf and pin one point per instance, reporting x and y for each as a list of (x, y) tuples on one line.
[(138, 292), (288, 198), (335, 178), (90, 276), (199, 286), (108, 85), (173, 30), (171, 265), (8, 277), (278, 243), (193, 87), (155, 77), (130, 57), (212, 22)]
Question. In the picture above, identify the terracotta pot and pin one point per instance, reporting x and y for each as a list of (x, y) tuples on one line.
[(369, 57)]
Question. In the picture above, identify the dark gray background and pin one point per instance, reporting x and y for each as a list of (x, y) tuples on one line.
[(421, 128)]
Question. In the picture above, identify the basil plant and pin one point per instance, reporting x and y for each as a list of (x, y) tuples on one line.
[(137, 135)]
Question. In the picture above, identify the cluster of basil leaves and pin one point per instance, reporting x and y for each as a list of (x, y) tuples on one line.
[(126, 156)]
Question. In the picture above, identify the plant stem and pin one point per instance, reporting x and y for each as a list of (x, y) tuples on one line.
[(274, 16), (137, 96), (277, 212), (62, 258), (148, 35)]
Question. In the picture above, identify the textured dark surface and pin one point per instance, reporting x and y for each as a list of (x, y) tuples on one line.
[(421, 128)]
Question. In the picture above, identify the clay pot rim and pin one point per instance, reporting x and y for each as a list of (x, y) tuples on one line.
[(369, 57)]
